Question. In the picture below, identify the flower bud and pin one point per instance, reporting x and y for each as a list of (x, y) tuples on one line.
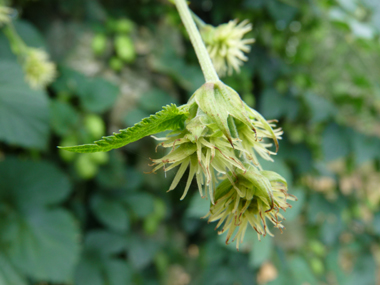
[(5, 13), (39, 71), (249, 199), (226, 45)]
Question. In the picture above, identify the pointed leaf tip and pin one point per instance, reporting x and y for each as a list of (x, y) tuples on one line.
[(170, 117)]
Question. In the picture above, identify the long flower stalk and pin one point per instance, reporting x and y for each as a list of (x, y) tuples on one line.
[(204, 59)]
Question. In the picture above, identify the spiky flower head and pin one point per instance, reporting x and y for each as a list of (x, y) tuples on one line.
[(260, 141), (5, 15), (249, 200), (226, 45), (210, 144), (39, 70), (202, 149)]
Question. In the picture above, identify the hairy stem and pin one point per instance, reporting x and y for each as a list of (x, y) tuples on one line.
[(204, 59)]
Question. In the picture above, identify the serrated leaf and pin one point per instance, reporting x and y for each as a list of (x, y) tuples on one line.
[(170, 118), (24, 113), (42, 241)]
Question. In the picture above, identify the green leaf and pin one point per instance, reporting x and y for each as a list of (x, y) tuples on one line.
[(142, 204), (24, 113), (29, 34), (95, 94), (134, 116), (301, 271), (32, 183), (170, 118), (97, 266), (63, 117), (261, 251), (376, 223), (321, 109), (98, 95), (152, 100), (8, 273), (198, 207), (46, 245), (41, 240), (141, 251), (335, 142), (364, 271), (110, 212)]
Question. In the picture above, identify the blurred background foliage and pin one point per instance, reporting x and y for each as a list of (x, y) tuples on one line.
[(93, 219)]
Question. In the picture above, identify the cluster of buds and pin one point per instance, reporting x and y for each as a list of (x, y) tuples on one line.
[(39, 70), (5, 15), (226, 45), (219, 144)]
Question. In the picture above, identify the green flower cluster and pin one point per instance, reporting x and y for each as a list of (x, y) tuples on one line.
[(39, 70), (217, 138), (219, 144), (5, 15), (226, 45)]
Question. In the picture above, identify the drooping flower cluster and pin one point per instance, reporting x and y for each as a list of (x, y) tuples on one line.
[(217, 138), (226, 45), (219, 143), (5, 15), (250, 199), (39, 70)]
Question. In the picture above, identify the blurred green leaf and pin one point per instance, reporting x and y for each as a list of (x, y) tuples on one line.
[(24, 113), (142, 204), (30, 35), (154, 99), (364, 271), (376, 223), (335, 142), (98, 95), (365, 147), (141, 251), (134, 116), (281, 11), (261, 251), (9, 274), (42, 241), (321, 109), (111, 212), (272, 104), (198, 207), (334, 266), (97, 266), (63, 117), (301, 271)]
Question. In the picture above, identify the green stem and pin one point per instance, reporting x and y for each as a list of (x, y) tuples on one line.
[(17, 44), (204, 59)]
